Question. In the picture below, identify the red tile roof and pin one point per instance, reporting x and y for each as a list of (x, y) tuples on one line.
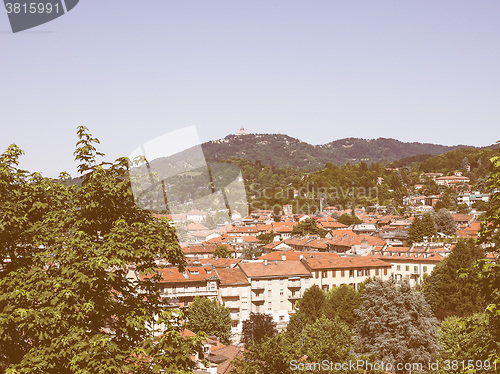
[(192, 274), (318, 263), (273, 268), (295, 255), (232, 277)]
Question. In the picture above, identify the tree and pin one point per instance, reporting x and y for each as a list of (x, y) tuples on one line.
[(258, 328), (428, 225), (489, 271), (210, 317), (342, 302), (445, 222), (349, 219), (309, 309), (415, 232), (327, 339), (450, 294), (459, 338), (67, 304), (308, 226), (266, 238), (222, 252), (396, 324), (271, 356)]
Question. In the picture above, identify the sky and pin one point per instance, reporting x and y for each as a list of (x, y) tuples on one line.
[(317, 70)]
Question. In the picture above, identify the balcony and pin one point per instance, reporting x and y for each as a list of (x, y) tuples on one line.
[(294, 284), (193, 293), (257, 286), (295, 296), (258, 298)]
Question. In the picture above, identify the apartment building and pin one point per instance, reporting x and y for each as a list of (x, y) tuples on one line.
[(276, 286), (328, 273), (234, 292), (411, 264), (178, 289)]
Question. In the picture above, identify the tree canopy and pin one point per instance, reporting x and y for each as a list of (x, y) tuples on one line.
[(67, 301), (449, 293), (257, 328), (396, 324), (211, 317)]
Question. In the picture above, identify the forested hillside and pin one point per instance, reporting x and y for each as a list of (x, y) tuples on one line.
[(284, 151)]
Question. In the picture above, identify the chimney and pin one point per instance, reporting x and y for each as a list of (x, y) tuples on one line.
[(283, 257), (301, 256), (265, 262)]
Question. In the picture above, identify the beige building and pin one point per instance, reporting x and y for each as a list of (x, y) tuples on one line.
[(276, 286), (409, 264), (333, 272), (234, 292)]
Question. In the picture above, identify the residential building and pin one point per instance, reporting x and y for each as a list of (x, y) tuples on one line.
[(234, 292), (276, 286), (333, 272)]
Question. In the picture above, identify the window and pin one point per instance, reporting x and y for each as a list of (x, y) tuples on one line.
[(269, 306), (325, 287), (415, 269), (281, 292), (360, 272), (282, 318), (317, 274), (197, 288), (269, 282), (367, 272), (376, 271), (281, 304), (398, 268), (334, 273), (385, 271), (342, 273), (269, 293), (351, 273), (282, 281), (407, 268), (235, 323), (425, 269), (324, 274)]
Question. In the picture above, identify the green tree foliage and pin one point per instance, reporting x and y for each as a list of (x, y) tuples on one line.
[(309, 309), (342, 302), (449, 293), (428, 225), (396, 324), (66, 302), (308, 226), (445, 222), (459, 338), (266, 238), (210, 317), (222, 252), (480, 205), (257, 328), (349, 219), (489, 270), (422, 227), (327, 339)]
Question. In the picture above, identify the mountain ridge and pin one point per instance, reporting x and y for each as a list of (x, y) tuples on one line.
[(281, 150)]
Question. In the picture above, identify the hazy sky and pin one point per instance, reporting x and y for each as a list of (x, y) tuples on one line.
[(414, 70)]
